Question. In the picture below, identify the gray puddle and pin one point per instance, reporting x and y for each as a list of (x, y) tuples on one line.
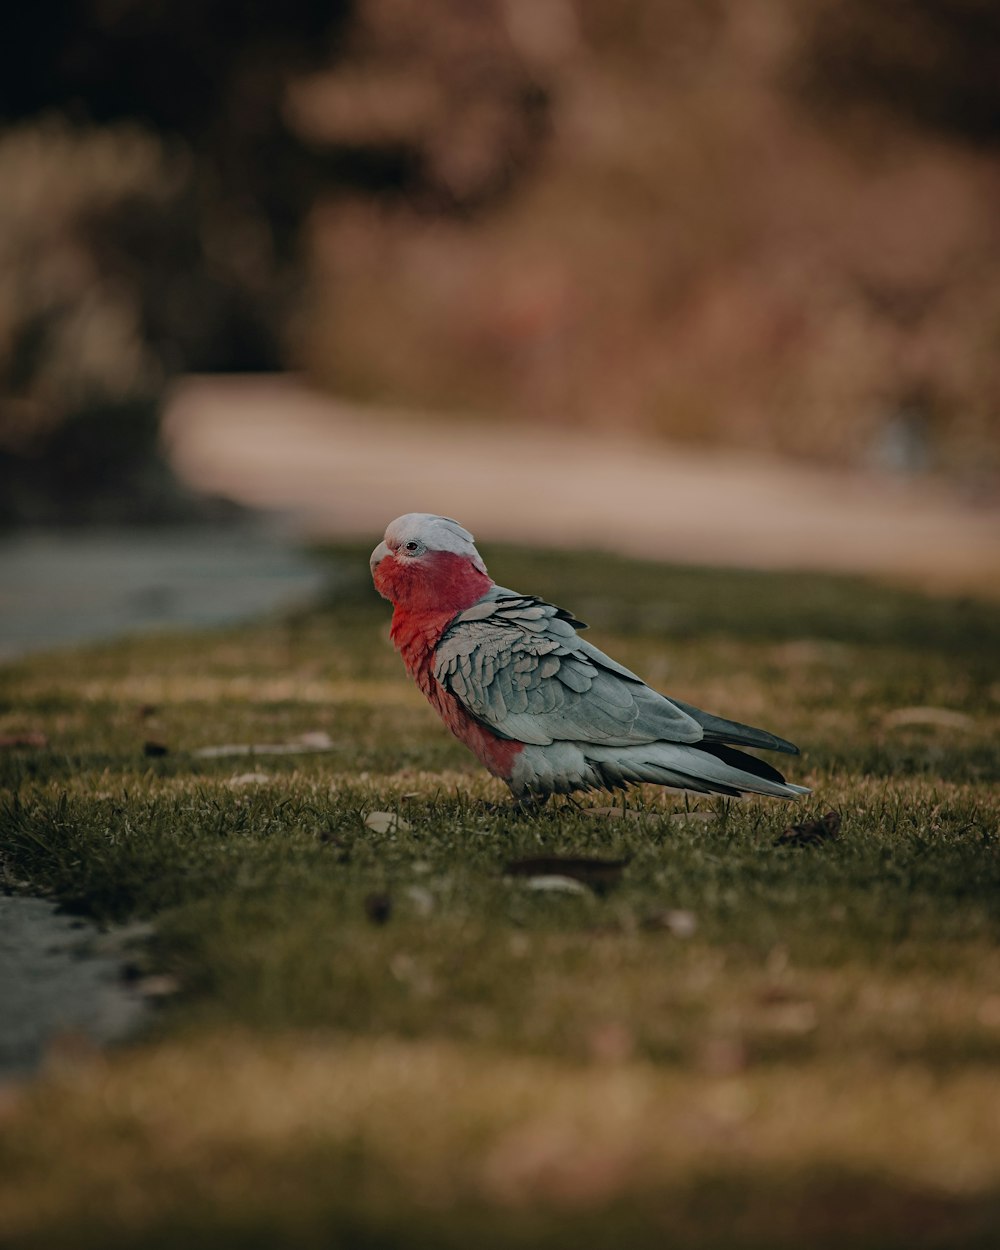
[(60, 980), (60, 977)]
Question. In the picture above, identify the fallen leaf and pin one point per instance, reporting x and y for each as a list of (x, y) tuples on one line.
[(599, 874), (556, 884), (680, 923), (386, 822), (155, 749), (378, 908), (235, 748), (811, 832), (36, 740), (943, 717), (159, 986), (249, 779), (302, 745)]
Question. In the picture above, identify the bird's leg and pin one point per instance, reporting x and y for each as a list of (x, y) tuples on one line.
[(530, 804), (526, 805)]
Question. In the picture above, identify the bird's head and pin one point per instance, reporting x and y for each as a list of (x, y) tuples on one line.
[(429, 563)]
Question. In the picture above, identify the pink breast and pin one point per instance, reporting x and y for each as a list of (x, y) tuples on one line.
[(497, 754), (415, 640)]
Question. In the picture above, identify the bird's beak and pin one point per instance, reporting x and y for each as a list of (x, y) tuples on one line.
[(378, 555)]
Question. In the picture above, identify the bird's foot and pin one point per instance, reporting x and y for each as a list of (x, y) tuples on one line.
[(528, 805)]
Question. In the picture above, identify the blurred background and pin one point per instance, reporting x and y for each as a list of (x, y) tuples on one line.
[(767, 230)]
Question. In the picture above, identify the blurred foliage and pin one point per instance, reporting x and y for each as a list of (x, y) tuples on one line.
[(929, 61), (730, 239), (160, 166), (208, 74), (770, 225), (105, 290)]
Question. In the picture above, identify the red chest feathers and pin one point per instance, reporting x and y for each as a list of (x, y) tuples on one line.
[(415, 639)]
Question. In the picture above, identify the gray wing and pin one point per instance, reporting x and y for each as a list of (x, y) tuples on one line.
[(518, 665)]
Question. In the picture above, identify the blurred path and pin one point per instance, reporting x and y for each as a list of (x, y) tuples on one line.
[(343, 469)]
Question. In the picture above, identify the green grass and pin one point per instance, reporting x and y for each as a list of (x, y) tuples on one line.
[(818, 1060)]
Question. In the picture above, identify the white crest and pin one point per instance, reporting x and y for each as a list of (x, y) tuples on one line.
[(436, 533)]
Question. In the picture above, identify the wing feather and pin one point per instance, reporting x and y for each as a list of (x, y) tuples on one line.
[(518, 665)]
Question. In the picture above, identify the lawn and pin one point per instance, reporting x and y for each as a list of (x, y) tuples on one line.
[(368, 1034)]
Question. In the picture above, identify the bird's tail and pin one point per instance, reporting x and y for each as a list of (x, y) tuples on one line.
[(705, 767)]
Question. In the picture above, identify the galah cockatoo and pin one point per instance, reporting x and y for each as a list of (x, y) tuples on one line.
[(543, 709)]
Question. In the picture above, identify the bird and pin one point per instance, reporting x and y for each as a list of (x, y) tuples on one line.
[(542, 708)]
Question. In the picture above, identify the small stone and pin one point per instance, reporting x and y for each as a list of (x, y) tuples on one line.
[(386, 822), (556, 884), (248, 779)]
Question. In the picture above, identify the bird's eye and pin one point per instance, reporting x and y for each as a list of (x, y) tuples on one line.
[(412, 545)]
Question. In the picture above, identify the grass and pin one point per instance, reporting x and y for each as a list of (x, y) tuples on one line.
[(817, 1060)]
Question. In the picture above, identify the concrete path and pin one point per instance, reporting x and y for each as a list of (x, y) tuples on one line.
[(342, 469)]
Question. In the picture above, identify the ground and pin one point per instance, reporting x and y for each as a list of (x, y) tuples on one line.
[(371, 1034)]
